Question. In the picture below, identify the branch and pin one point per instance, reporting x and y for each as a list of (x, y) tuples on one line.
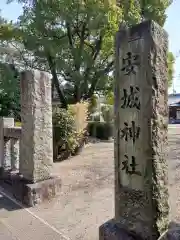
[(56, 81), (95, 52), (97, 47), (69, 34), (96, 79), (21, 55)]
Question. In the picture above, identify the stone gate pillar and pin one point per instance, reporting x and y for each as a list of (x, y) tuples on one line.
[(141, 120), (36, 150), (35, 183), (5, 144)]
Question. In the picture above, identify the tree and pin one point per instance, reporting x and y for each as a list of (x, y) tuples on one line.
[(155, 10), (9, 91), (73, 40), (9, 76)]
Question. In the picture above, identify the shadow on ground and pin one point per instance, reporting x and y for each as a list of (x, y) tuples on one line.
[(7, 204)]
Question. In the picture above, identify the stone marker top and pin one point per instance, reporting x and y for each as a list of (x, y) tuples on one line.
[(142, 30)]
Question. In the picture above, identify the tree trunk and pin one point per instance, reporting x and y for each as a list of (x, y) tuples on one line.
[(56, 82), (77, 94)]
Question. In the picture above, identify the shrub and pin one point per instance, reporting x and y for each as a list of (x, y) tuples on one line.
[(64, 133), (18, 124), (80, 113), (100, 130), (69, 129)]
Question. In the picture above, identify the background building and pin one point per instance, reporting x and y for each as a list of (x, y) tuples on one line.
[(174, 108)]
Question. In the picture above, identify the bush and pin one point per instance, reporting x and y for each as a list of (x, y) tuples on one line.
[(18, 124), (64, 133), (69, 130), (80, 113), (100, 130)]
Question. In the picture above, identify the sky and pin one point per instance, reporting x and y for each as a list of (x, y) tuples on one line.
[(13, 10)]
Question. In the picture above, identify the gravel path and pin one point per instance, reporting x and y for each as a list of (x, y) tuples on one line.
[(174, 172), (87, 197)]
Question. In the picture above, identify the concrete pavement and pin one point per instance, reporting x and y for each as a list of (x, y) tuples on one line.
[(17, 223), (85, 202)]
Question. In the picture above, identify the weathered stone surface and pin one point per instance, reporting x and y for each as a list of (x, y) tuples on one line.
[(141, 118), (5, 145), (33, 194), (36, 151), (7, 154), (15, 144), (14, 132)]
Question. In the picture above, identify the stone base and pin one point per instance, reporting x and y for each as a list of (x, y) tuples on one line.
[(172, 234), (8, 174), (111, 230), (31, 194)]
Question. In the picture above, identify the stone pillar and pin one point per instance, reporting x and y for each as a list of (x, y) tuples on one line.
[(15, 143), (36, 150), (5, 144), (141, 120)]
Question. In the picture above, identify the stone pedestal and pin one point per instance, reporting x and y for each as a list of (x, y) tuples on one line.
[(35, 193), (141, 120), (36, 149)]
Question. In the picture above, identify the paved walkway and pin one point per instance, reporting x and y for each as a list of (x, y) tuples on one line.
[(86, 200)]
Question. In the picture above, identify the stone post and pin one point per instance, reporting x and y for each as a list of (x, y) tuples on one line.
[(141, 120), (36, 149), (5, 144), (15, 153)]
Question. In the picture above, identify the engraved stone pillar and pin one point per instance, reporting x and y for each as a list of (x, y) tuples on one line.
[(141, 119), (36, 152), (5, 144)]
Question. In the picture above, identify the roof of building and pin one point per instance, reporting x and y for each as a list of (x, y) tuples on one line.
[(175, 104), (173, 98)]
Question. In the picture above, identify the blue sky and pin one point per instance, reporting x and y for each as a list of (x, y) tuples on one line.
[(13, 10)]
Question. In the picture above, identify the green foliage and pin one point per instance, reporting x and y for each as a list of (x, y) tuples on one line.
[(9, 91), (93, 104), (64, 130), (170, 62), (109, 95), (69, 130), (74, 39), (155, 10), (100, 130)]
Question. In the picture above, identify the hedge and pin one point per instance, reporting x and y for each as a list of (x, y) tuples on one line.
[(100, 130)]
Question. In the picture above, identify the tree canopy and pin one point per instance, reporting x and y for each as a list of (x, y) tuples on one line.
[(74, 40)]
